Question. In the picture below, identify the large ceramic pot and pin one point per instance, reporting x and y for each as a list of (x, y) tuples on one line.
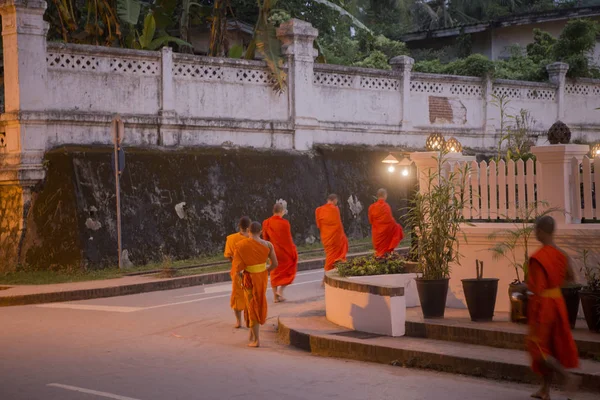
[(480, 295), (432, 294), (571, 296), (517, 293), (590, 302)]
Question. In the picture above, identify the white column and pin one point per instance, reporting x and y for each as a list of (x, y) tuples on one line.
[(402, 66), (167, 105), (297, 38), (25, 76), (558, 76), (554, 180), (488, 91)]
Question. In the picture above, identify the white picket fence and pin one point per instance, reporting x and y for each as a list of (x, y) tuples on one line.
[(583, 187), (500, 191)]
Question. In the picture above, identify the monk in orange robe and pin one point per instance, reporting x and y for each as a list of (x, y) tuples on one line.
[(385, 231), (278, 231), (237, 302), (549, 342), (329, 222), (251, 258)]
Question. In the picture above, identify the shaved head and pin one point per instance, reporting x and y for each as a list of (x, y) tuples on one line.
[(278, 208), (255, 228), (332, 197), (544, 229), (382, 194), (244, 224), (545, 224)]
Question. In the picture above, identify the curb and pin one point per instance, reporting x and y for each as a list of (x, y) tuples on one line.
[(136, 288), (326, 346)]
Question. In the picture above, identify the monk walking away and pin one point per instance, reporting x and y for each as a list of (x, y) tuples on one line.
[(329, 222), (237, 302), (550, 342), (251, 258), (385, 231), (279, 232)]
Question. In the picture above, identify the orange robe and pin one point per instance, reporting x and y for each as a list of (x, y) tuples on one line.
[(385, 231), (278, 231), (549, 329), (251, 258), (333, 237), (237, 302)]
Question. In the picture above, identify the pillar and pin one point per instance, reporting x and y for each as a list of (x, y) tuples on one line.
[(554, 180), (558, 76), (402, 66), (24, 137), (297, 38)]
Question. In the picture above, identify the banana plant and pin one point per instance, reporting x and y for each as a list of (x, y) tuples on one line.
[(147, 40)]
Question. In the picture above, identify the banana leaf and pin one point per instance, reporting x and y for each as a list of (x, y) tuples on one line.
[(129, 11)]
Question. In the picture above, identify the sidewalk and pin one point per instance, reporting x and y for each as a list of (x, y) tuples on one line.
[(37, 294), (442, 345)]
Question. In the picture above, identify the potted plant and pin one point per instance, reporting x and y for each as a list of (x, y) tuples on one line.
[(514, 248), (435, 216), (590, 294), (480, 294)]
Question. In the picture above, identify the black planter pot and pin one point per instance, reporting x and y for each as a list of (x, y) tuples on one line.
[(480, 295), (517, 293), (571, 296), (432, 294), (590, 302)]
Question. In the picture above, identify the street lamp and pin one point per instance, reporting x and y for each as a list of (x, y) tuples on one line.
[(391, 160), (405, 165)]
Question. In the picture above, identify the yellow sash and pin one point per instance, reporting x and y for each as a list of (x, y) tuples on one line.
[(254, 269), (554, 293)]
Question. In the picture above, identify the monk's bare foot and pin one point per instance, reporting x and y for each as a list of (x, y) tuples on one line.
[(253, 344), (238, 325), (281, 298), (276, 298)]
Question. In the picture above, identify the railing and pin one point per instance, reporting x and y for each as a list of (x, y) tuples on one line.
[(500, 191), (583, 190)]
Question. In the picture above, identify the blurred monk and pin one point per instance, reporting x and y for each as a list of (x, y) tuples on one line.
[(550, 342), (278, 231), (251, 258), (385, 231), (333, 237), (237, 302)]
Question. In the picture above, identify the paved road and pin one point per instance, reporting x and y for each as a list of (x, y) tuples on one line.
[(180, 344)]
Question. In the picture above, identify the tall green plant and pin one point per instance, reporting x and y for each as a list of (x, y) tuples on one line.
[(436, 215), (517, 239), (148, 40)]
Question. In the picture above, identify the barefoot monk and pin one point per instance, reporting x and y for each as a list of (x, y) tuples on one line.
[(237, 302), (550, 342), (278, 231), (385, 231), (251, 258), (329, 222)]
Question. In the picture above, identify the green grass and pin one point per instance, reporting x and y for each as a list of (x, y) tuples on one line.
[(24, 277)]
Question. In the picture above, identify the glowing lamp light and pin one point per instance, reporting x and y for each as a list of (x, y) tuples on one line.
[(596, 150), (435, 142), (405, 164), (405, 172), (391, 169), (390, 159), (453, 146)]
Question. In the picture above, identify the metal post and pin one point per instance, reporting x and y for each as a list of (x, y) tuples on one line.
[(117, 127)]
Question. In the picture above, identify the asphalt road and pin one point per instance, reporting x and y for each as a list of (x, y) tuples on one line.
[(181, 344)]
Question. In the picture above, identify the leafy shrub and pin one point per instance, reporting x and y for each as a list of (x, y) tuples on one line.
[(393, 263), (376, 60), (474, 65), (574, 45)]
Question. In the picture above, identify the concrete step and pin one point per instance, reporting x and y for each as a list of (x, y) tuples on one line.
[(312, 332), (500, 333)]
